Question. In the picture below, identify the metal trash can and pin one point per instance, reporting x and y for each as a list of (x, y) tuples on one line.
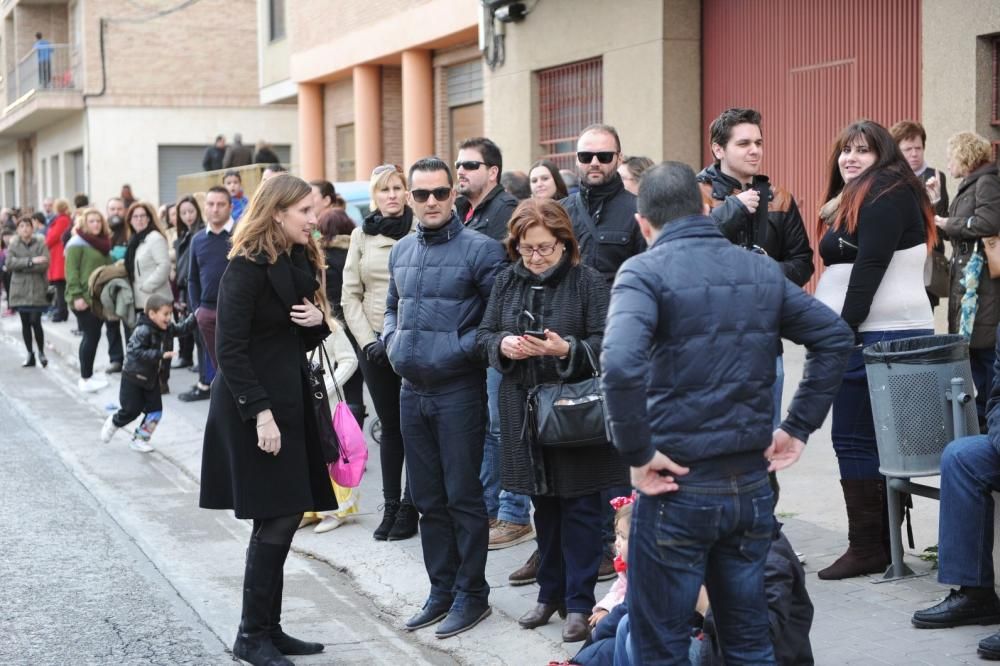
[(919, 388)]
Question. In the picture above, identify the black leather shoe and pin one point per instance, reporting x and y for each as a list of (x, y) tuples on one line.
[(540, 615), (29, 362), (576, 628), (463, 617), (989, 647), (41, 359), (288, 645), (434, 611), (960, 608), (195, 394)]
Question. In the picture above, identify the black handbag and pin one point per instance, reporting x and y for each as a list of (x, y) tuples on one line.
[(937, 274), (319, 362), (569, 414)]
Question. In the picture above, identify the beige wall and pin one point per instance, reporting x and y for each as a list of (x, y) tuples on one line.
[(956, 79), (314, 22), (50, 20), (59, 139), (652, 85)]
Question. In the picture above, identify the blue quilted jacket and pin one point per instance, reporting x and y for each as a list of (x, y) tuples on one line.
[(440, 281), (689, 351)]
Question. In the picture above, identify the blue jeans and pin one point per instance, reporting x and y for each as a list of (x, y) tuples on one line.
[(970, 471), (443, 442), (714, 532), (500, 504), (853, 430), (623, 646), (982, 361)]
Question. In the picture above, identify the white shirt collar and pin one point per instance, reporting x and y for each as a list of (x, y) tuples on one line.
[(228, 228)]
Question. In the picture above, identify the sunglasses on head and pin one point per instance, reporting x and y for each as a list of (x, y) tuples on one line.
[(468, 165), (383, 168), (604, 157), (440, 194)]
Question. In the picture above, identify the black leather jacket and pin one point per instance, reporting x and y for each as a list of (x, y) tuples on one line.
[(605, 227), (491, 215), (144, 352)]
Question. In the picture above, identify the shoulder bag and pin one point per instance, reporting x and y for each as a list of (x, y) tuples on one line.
[(319, 403), (569, 414)]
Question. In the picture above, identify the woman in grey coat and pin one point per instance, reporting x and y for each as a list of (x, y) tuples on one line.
[(28, 261)]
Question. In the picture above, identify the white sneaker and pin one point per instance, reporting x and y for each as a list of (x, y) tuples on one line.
[(140, 446), (327, 524), (91, 384), (108, 429)]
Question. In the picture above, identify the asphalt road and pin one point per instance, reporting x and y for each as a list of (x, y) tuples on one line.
[(75, 589)]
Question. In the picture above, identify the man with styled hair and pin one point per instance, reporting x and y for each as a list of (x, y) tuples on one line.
[(696, 427), (440, 279)]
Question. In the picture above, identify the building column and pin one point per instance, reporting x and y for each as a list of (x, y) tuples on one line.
[(418, 106), (311, 160), (367, 119)]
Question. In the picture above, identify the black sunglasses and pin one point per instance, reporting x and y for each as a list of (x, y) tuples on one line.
[(440, 193), (468, 165), (604, 157)]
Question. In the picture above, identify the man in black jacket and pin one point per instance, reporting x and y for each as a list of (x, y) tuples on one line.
[(440, 279), (688, 359), (485, 206), (603, 211), (212, 160)]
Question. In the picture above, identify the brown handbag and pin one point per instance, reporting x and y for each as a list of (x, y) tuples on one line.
[(991, 248)]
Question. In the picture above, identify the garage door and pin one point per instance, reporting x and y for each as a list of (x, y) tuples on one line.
[(811, 70)]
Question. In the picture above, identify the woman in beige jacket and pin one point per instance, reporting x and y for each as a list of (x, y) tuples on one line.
[(366, 283)]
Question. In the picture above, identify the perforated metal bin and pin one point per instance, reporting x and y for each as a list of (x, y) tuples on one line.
[(912, 383)]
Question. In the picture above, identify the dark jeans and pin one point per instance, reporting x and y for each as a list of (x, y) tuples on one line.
[(443, 438), (717, 533), (31, 321), (90, 328), (384, 389), (970, 471), (60, 311), (853, 430), (569, 548), (206, 328), (136, 400), (113, 332), (981, 361)]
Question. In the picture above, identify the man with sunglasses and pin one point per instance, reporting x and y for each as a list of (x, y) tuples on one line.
[(603, 211), (485, 206), (440, 279)]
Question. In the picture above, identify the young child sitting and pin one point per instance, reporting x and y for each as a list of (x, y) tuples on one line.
[(140, 388)]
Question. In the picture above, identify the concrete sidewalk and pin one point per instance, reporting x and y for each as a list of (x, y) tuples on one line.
[(855, 622)]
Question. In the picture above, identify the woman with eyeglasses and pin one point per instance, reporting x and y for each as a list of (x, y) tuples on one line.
[(363, 294), (544, 311), (546, 181)]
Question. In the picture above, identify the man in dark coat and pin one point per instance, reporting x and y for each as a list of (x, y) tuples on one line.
[(440, 279), (237, 154), (603, 211), (485, 206), (695, 425), (214, 154)]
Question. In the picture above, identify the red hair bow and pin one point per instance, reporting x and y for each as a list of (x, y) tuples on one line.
[(619, 502)]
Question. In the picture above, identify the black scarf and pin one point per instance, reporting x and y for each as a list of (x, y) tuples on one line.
[(596, 195), (303, 274), (392, 227), (133, 246)]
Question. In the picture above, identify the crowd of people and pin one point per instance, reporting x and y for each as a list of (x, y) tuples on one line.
[(469, 292)]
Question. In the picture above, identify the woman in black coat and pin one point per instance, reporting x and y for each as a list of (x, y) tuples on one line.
[(261, 455), (547, 288)]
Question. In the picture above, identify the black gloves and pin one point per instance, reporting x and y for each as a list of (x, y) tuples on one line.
[(375, 353)]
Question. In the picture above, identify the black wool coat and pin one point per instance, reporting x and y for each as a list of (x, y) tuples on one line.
[(262, 365), (573, 302)]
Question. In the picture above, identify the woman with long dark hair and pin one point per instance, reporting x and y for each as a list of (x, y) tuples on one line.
[(878, 227), (546, 181), (189, 223), (366, 284), (261, 455)]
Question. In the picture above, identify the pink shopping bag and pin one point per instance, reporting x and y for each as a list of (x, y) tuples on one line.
[(348, 470)]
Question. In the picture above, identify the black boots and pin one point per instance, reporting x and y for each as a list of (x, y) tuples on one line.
[(867, 529), (29, 362), (390, 509), (406, 522), (41, 359), (260, 640)]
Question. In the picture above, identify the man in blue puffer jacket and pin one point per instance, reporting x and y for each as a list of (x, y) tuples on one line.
[(440, 280), (689, 353)]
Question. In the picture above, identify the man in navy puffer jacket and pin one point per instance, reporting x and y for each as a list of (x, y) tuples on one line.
[(689, 353), (440, 281)]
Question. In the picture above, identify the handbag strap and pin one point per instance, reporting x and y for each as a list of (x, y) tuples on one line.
[(595, 366), (326, 365)]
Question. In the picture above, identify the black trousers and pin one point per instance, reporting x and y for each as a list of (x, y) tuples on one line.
[(384, 387), (113, 332), (136, 400), (32, 322), (60, 311), (569, 549), (90, 328)]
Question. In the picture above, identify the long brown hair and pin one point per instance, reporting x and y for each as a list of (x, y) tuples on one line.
[(258, 232), (154, 219), (889, 159)]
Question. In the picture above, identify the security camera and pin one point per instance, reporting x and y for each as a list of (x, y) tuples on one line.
[(511, 13)]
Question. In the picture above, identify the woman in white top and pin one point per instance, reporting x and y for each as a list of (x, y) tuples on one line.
[(879, 226)]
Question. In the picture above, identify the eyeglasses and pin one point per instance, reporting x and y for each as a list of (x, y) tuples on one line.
[(440, 194), (382, 168), (468, 165), (543, 250), (604, 156)]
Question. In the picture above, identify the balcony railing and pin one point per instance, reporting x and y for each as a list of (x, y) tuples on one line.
[(43, 69)]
